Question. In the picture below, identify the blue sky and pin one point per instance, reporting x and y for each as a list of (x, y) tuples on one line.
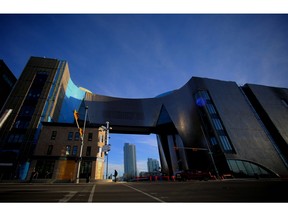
[(144, 55)]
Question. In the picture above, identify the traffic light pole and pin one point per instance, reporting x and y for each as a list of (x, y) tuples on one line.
[(81, 147), (107, 143)]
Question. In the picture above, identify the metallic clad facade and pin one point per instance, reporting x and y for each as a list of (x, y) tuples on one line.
[(207, 124), (182, 140)]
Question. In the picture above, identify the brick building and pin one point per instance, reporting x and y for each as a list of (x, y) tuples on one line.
[(57, 153)]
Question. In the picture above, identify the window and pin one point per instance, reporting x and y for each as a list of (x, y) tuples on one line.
[(34, 94), (74, 151), (27, 110), (213, 141), (68, 149), (70, 135), (217, 124), (284, 103), (90, 135), (88, 151), (211, 109), (246, 169), (77, 136), (225, 143), (54, 134), (21, 124), (50, 148), (101, 138), (21, 138)]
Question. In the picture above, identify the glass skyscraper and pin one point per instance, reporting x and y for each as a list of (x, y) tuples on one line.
[(130, 167), (153, 165)]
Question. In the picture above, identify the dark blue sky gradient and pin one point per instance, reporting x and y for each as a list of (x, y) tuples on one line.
[(144, 55)]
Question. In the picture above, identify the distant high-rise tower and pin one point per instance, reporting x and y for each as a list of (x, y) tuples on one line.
[(130, 168), (153, 165)]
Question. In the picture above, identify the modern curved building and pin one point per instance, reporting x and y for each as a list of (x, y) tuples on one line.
[(207, 124)]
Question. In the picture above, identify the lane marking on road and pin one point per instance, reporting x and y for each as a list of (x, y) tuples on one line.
[(68, 196), (159, 200), (91, 194)]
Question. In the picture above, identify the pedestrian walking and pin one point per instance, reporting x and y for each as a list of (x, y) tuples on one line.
[(115, 175)]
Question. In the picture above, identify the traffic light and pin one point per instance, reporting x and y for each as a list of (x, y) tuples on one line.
[(76, 115), (81, 132)]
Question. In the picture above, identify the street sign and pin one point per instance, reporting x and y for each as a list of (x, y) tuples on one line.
[(106, 148)]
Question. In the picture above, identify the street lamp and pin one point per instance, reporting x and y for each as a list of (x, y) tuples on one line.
[(82, 144), (107, 145)]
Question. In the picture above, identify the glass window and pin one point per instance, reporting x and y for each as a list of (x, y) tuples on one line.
[(205, 95), (77, 136), (85, 169), (27, 110), (248, 168), (90, 135), (74, 151), (217, 124), (70, 135), (11, 138), (233, 166), (50, 148), (16, 137), (54, 134), (213, 141), (102, 138), (211, 109), (241, 166), (68, 149), (21, 138), (225, 143), (88, 151), (264, 172), (34, 93)]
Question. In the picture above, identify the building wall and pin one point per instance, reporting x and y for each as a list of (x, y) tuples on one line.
[(271, 106), (65, 167), (182, 132), (40, 95), (247, 136), (18, 135), (7, 82)]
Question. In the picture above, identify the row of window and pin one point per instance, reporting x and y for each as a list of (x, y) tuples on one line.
[(68, 151), (203, 100), (22, 124), (76, 136), (27, 110), (16, 138), (246, 168)]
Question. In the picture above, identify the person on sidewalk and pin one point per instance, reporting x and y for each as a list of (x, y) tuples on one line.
[(115, 175)]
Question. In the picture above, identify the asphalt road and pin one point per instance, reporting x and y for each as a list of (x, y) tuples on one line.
[(148, 192)]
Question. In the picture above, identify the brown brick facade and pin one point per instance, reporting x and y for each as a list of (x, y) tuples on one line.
[(57, 153)]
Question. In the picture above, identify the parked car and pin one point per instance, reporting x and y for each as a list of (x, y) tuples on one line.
[(194, 175)]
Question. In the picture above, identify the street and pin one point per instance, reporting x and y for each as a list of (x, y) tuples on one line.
[(148, 192)]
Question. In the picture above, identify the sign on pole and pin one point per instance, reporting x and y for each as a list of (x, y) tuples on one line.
[(106, 148)]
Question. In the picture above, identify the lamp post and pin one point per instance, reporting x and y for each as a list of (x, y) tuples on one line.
[(107, 145), (81, 147)]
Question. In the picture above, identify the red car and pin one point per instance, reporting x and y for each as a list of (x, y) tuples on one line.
[(194, 175)]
